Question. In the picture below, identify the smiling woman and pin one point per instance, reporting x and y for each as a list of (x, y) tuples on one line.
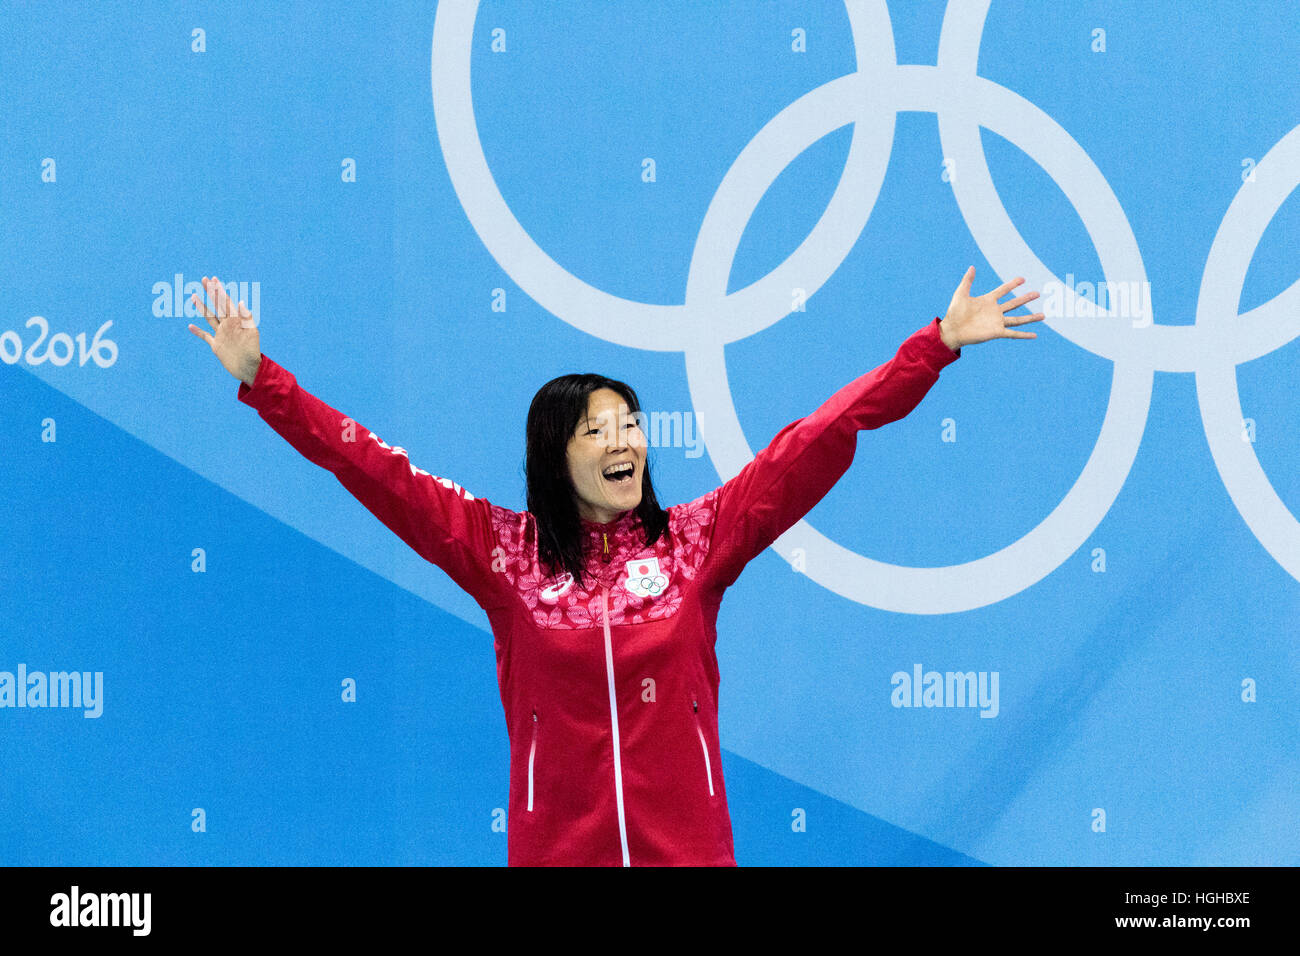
[(606, 457), (604, 605), (580, 427)]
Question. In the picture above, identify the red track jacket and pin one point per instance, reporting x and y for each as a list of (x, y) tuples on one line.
[(611, 692)]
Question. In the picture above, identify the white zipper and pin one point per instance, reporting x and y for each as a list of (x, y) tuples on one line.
[(708, 769), (531, 751), (613, 720)]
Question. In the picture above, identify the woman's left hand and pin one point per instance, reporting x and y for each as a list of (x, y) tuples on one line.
[(971, 320)]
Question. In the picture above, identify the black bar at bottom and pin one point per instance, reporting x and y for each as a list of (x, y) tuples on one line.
[(338, 905)]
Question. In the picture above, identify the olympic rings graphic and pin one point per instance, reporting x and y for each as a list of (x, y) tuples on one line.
[(653, 586), (963, 102)]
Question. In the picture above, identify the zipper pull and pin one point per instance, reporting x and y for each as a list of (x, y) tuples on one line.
[(534, 715), (695, 706), (604, 538)]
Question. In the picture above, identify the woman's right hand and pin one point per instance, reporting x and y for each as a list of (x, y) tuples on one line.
[(234, 339)]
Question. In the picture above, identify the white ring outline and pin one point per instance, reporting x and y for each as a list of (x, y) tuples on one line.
[(911, 590)]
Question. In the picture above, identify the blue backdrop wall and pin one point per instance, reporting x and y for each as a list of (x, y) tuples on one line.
[(737, 207)]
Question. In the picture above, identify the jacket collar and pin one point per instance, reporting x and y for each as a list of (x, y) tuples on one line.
[(617, 529)]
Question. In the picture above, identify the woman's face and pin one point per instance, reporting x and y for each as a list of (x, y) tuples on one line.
[(608, 436)]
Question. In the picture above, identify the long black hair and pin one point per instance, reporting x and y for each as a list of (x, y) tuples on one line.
[(553, 416)]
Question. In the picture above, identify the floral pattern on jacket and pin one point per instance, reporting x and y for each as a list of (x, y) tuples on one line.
[(680, 552)]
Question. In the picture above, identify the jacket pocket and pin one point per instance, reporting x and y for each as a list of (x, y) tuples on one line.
[(704, 746), (532, 755)]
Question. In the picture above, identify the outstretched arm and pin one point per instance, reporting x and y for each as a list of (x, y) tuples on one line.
[(805, 459), (437, 518)]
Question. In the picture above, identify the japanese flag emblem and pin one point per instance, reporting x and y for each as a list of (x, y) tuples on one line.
[(644, 578)]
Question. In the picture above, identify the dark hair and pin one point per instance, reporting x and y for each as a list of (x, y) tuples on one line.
[(553, 416)]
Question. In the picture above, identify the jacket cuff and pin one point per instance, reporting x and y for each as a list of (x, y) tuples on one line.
[(937, 354), (254, 394)]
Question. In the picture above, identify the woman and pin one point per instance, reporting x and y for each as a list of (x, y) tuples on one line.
[(603, 605)]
